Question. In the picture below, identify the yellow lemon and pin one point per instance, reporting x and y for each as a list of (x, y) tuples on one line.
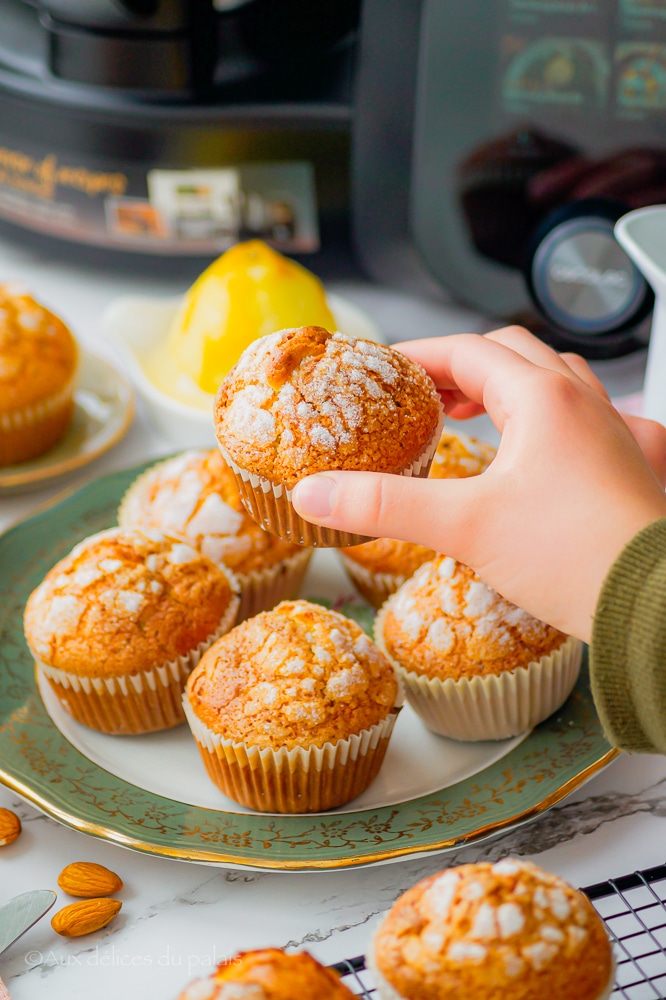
[(249, 291)]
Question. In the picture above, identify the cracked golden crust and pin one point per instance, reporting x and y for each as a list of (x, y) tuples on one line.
[(507, 931), (274, 975), (304, 401), (446, 622), (458, 456), (152, 502), (298, 675), (38, 354), (125, 601)]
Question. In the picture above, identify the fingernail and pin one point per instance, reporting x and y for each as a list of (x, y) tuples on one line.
[(314, 496)]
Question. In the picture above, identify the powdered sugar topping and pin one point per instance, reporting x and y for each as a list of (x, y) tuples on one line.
[(439, 896), (326, 406), (107, 579), (507, 867), (446, 609), (247, 417), (467, 951), (215, 517), (540, 954), (181, 554)]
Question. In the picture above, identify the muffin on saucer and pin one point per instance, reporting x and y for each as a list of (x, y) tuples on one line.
[(118, 624), (292, 711), (269, 974), (194, 496), (474, 666), (38, 368), (304, 401), (377, 568), (504, 931)]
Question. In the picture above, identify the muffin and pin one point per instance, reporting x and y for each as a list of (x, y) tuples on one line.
[(117, 625), (475, 667), (292, 711), (379, 567), (504, 931), (304, 401), (38, 366), (194, 496), (269, 974)]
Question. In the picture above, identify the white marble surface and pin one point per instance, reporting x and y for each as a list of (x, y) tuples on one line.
[(179, 919)]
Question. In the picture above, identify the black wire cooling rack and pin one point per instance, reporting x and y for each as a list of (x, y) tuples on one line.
[(633, 908)]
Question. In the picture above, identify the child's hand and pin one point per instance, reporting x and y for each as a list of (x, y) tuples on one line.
[(569, 487)]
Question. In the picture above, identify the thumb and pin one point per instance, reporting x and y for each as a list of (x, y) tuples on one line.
[(437, 513)]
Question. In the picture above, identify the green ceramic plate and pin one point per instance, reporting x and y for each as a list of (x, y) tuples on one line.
[(39, 762)]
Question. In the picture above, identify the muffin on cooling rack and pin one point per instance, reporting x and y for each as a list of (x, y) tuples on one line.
[(38, 368), (377, 568), (269, 974), (306, 400), (194, 496), (504, 931), (474, 666), (292, 711), (118, 624)]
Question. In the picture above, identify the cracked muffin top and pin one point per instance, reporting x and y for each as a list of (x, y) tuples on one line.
[(269, 974), (458, 456), (306, 400), (446, 622), (504, 931), (125, 601), (194, 496), (298, 675), (38, 354)]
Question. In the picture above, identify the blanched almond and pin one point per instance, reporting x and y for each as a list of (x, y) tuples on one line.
[(10, 827), (87, 879), (85, 917)]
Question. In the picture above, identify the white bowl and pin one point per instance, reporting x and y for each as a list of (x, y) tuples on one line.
[(136, 326)]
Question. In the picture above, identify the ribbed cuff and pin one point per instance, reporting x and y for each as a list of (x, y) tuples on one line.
[(628, 649)]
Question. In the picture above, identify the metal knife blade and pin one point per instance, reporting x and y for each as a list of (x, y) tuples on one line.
[(21, 912)]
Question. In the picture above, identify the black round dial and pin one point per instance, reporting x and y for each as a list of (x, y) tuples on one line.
[(579, 276)]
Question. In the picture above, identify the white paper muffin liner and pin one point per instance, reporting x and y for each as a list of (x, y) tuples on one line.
[(494, 706), (299, 780), (374, 587), (385, 991), (33, 429), (141, 702), (270, 503), (262, 589)]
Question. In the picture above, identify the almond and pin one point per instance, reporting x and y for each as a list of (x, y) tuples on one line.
[(87, 879), (10, 827), (85, 917)]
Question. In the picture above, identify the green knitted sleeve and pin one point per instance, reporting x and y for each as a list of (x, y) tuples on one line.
[(628, 649)]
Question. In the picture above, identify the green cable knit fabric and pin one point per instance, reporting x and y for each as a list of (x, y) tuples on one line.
[(628, 649)]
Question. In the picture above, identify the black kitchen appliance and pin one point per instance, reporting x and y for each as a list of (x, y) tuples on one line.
[(512, 134), (174, 128), (484, 147)]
